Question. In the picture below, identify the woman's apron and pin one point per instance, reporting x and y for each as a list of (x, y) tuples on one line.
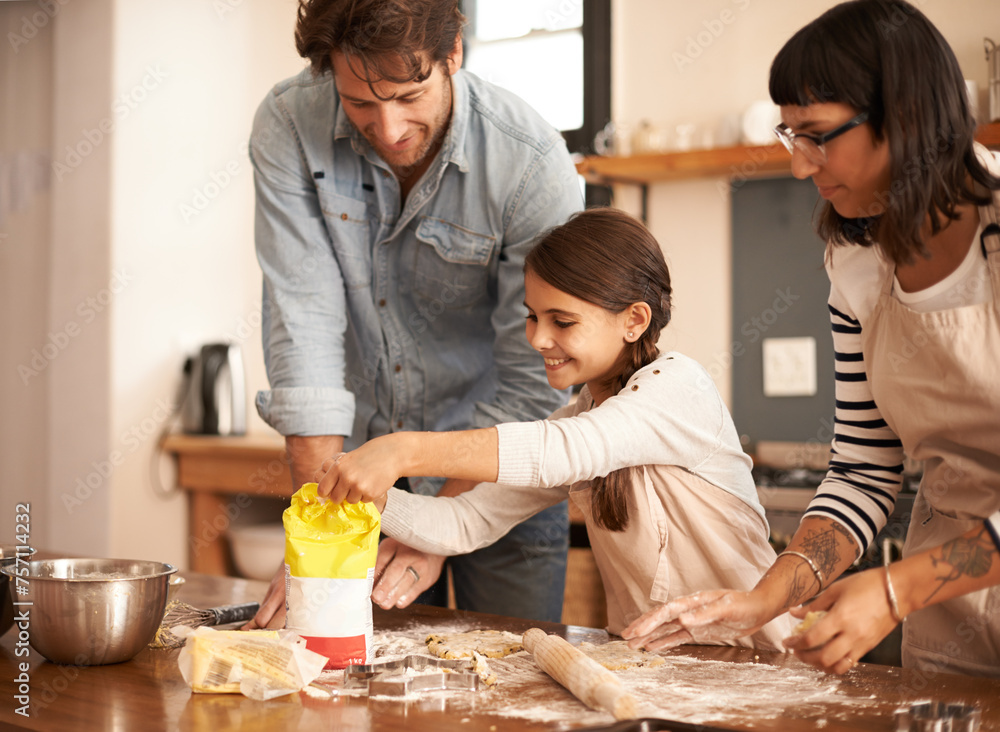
[(936, 379)]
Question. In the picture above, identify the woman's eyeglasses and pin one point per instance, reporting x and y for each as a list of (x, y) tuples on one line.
[(813, 146)]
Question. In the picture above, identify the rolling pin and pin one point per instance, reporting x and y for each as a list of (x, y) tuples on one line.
[(585, 678)]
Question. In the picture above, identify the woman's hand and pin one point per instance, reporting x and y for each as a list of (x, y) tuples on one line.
[(711, 616), (402, 573), (364, 474), (858, 617)]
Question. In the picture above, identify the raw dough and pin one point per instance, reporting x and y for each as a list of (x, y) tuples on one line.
[(812, 617), (616, 655), (490, 643), (482, 668)]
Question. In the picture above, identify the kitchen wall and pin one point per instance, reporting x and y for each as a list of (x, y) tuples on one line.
[(25, 260), (147, 252), (138, 247)]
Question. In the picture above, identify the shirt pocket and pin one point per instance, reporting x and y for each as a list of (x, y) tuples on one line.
[(349, 225), (452, 264)]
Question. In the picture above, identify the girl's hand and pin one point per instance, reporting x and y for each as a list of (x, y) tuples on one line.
[(714, 615), (858, 617), (364, 474)]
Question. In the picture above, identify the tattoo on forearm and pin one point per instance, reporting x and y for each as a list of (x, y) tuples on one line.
[(803, 580), (822, 547), (963, 556)]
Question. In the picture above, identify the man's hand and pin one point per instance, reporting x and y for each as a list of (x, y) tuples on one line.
[(272, 610), (402, 573), (307, 455)]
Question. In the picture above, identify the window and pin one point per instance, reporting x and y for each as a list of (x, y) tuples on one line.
[(556, 55)]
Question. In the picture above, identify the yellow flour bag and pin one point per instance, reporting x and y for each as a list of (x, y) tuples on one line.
[(330, 552)]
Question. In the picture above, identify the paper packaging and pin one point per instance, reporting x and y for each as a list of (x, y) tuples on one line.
[(330, 553), (261, 664)]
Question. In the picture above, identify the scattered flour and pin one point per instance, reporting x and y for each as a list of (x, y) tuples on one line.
[(683, 689)]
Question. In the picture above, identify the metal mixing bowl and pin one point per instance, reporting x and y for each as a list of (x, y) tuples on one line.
[(8, 554), (89, 612)]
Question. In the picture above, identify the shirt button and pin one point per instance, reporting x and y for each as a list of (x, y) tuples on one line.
[(635, 388), (385, 173), (381, 303), (657, 371), (398, 368), (343, 217), (400, 424)]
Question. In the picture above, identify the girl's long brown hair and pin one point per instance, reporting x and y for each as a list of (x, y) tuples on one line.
[(608, 258)]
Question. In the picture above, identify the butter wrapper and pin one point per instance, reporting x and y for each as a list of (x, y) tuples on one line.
[(260, 664)]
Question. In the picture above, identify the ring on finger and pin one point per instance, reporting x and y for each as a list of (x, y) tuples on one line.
[(416, 575)]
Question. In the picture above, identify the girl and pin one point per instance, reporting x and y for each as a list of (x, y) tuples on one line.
[(648, 451), (874, 110)]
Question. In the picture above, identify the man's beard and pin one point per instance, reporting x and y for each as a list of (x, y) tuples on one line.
[(403, 163)]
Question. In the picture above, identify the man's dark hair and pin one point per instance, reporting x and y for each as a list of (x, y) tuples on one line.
[(398, 41)]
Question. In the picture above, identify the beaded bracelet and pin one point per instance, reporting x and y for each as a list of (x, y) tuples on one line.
[(893, 603), (810, 562)]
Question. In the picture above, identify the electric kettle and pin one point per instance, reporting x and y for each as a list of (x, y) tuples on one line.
[(215, 392)]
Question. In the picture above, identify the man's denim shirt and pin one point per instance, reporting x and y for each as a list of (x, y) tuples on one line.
[(376, 319)]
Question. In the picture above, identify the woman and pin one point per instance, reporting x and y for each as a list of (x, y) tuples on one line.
[(874, 110)]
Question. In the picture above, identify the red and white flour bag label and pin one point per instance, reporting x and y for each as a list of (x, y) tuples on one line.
[(330, 553)]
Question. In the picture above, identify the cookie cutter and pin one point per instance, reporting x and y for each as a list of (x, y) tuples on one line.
[(389, 678), (935, 716)]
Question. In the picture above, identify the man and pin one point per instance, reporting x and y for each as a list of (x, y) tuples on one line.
[(396, 199)]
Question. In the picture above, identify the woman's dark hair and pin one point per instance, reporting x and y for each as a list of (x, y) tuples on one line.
[(392, 40), (885, 57), (608, 258)]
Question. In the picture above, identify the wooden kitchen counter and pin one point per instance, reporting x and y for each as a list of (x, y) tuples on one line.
[(148, 692)]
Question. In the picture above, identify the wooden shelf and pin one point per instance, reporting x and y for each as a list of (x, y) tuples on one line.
[(729, 162), (989, 135), (741, 161)]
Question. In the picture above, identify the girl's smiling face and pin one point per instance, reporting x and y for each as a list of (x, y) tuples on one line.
[(581, 342)]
